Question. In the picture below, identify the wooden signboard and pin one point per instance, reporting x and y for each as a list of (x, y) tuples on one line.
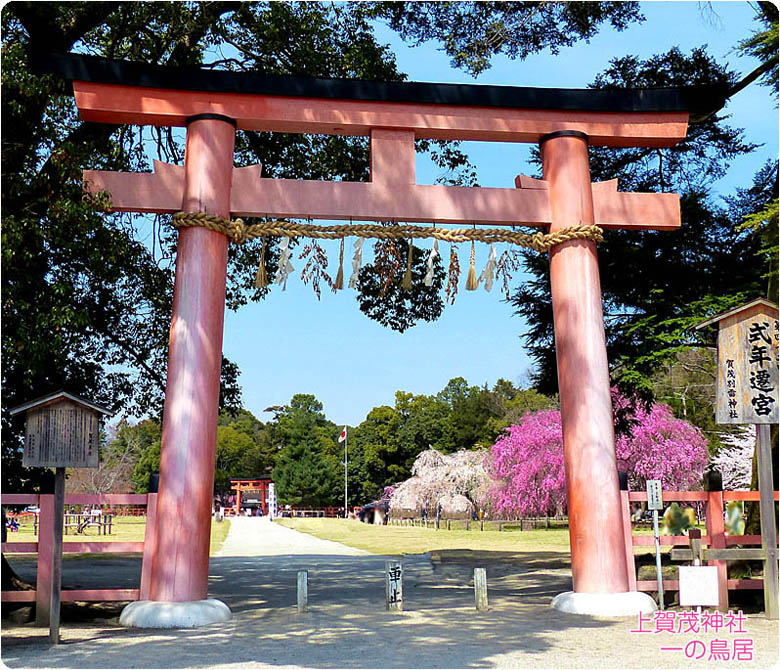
[(747, 377), (394, 586), (272, 500), (747, 392), (61, 430), (252, 496)]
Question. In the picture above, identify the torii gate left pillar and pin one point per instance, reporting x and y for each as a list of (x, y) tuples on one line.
[(180, 564), (212, 104)]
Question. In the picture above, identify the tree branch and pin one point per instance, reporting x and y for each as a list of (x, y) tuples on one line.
[(45, 35), (742, 83), (139, 357)]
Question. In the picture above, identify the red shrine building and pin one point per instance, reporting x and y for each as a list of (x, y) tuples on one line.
[(250, 494)]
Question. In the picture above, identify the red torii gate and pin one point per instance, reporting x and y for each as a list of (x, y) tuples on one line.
[(212, 105)]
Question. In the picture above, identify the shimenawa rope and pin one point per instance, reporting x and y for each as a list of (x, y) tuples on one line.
[(237, 231)]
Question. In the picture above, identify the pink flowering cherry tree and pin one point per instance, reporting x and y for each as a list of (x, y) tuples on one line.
[(663, 447), (527, 466), (526, 462)]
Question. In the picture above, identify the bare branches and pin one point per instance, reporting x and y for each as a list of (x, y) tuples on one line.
[(509, 262)]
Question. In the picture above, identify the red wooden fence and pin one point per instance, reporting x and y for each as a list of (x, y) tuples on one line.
[(715, 538), (42, 593)]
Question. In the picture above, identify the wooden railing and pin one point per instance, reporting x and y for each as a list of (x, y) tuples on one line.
[(43, 547), (715, 538), (327, 512), (535, 523)]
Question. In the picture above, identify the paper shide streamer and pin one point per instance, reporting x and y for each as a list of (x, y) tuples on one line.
[(489, 272), (428, 280), (285, 266), (357, 261)]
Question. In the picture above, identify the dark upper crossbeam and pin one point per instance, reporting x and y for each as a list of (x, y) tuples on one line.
[(696, 101)]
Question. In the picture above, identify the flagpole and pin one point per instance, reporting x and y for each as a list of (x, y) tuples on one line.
[(346, 509)]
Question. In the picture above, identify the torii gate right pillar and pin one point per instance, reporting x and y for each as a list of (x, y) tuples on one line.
[(599, 572)]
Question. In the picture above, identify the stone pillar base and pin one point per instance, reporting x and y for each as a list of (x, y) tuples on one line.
[(627, 604), (159, 614)]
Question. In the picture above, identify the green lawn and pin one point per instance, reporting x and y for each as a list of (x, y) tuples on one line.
[(125, 529), (394, 540)]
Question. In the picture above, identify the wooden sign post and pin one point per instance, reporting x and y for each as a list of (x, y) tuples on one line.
[(768, 525), (61, 430), (480, 589), (747, 392)]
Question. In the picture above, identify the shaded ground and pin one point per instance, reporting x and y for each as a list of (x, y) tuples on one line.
[(347, 625)]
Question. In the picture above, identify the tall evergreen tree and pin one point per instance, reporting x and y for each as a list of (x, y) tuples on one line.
[(307, 470), (657, 285)]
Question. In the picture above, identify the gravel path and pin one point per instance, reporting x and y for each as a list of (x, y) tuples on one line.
[(347, 626), (258, 536)]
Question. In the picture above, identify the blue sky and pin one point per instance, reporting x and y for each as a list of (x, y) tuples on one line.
[(292, 343)]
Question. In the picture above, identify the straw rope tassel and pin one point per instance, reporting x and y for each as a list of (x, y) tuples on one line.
[(261, 278), (406, 284), (472, 282), (339, 283)]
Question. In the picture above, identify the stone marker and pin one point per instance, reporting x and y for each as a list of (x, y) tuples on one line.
[(480, 589), (303, 591)]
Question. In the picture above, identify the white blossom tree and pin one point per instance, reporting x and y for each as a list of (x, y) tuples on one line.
[(735, 459), (446, 480)]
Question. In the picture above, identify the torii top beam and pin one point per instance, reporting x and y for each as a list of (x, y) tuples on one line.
[(110, 91), (393, 115)]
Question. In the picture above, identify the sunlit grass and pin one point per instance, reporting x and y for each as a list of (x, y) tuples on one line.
[(123, 529), (394, 540), (219, 532)]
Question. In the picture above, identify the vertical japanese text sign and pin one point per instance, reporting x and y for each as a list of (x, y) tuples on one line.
[(654, 494), (747, 376), (394, 598), (272, 512)]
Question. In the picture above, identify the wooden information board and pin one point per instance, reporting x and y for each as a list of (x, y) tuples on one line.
[(747, 379), (61, 435), (746, 389), (61, 430)]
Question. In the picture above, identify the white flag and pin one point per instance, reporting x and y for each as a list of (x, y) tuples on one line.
[(343, 435)]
